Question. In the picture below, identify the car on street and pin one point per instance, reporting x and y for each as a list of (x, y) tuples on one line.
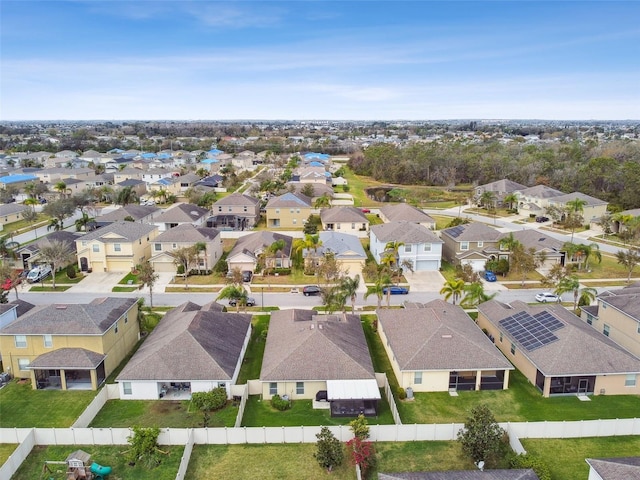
[(366, 210), (545, 297), (395, 290), (38, 273), (311, 290), (542, 219), (490, 276), (251, 302)]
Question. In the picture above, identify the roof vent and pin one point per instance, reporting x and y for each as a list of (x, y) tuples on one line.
[(61, 307), (320, 326), (312, 326), (447, 335)]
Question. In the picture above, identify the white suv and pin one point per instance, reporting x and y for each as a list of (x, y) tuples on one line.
[(38, 273)]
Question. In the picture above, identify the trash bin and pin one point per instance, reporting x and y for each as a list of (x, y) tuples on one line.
[(409, 392)]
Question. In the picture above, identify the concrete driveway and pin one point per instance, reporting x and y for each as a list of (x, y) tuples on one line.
[(98, 282), (425, 281)]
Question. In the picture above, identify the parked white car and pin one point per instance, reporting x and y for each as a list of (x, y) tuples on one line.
[(38, 273), (545, 297)]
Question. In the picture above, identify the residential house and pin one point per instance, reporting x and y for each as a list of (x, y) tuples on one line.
[(470, 244), (437, 347), (310, 356), (499, 189), (344, 219), (192, 349), (138, 186), (181, 184), (70, 346), (250, 249), (346, 249), (557, 352), (12, 310), (179, 214), (12, 212), (319, 189), (290, 210), (212, 181), (186, 235), (511, 474), (61, 174), (29, 254), (420, 246), (137, 213), (535, 200), (618, 468), (316, 174), (592, 210), (617, 315), (235, 212), (17, 180), (544, 246), (152, 176), (117, 247), (403, 212)]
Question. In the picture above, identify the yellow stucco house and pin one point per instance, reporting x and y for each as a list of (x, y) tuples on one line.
[(70, 346), (290, 210), (117, 247)]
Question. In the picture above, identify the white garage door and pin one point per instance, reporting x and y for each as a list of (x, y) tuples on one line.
[(164, 267), (477, 265), (427, 266)]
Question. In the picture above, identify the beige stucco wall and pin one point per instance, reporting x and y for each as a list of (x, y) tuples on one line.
[(288, 219), (622, 328), (110, 260), (289, 388), (432, 381), (614, 385)]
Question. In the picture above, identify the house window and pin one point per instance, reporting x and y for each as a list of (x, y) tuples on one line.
[(464, 246), (291, 210), (500, 337), (20, 341), (84, 243), (174, 245), (244, 209), (95, 247), (426, 247), (630, 380), (48, 341), (513, 349), (407, 249), (605, 330), (219, 208), (480, 244), (417, 378), (157, 247), (589, 319), (23, 364), (231, 209), (295, 220), (337, 226), (273, 388), (353, 226), (277, 210), (299, 388), (126, 388), (638, 328), (117, 247), (116, 329), (222, 385)]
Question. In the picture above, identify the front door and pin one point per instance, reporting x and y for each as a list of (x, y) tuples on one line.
[(583, 386)]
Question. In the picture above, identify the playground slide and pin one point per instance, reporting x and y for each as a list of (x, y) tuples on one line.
[(100, 471)]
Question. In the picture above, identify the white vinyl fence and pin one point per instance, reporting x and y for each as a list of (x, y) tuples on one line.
[(108, 392)]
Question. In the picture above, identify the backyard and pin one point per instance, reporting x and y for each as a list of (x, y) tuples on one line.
[(252, 361)]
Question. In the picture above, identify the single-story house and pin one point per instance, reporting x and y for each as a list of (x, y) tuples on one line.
[(619, 468), (321, 357), (346, 249), (559, 353), (421, 246), (180, 214), (344, 219), (249, 249), (437, 347), (403, 212), (192, 349), (139, 213)]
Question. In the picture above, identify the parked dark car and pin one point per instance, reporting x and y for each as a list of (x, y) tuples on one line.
[(490, 276), (247, 275), (251, 302), (311, 290), (542, 219), (396, 290)]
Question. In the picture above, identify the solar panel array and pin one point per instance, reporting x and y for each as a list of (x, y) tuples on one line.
[(532, 331), (455, 231)]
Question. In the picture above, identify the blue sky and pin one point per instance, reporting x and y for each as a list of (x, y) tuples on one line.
[(366, 60)]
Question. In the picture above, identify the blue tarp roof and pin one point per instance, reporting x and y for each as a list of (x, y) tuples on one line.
[(316, 164), (215, 151), (210, 160), (164, 181), (148, 155), (17, 178), (319, 156)]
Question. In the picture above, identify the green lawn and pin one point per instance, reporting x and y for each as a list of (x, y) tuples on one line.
[(159, 413), (50, 289), (259, 413), (421, 456), (566, 457), (521, 402), (23, 407), (6, 449), (252, 362), (266, 462), (124, 289), (376, 350), (104, 455), (129, 277)]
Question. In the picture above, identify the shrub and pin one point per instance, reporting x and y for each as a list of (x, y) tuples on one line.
[(180, 270), (282, 271), (359, 427), (401, 393), (280, 403), (212, 400), (531, 461), (329, 450), (71, 271)]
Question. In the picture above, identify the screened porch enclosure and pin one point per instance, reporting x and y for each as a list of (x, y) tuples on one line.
[(350, 398), (567, 385), (489, 380)]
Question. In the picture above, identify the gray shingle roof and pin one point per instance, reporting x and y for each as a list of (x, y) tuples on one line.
[(319, 189), (93, 318), (405, 232), (237, 199), (137, 212), (623, 468), (439, 336), (536, 239), (182, 213), (21, 307), (187, 233), (579, 350), (343, 214), (342, 245), (582, 196), (504, 185), (258, 241), (190, 343), (403, 212), (520, 474), (12, 208), (68, 358), (304, 346), (627, 300), (296, 200), (541, 191), (472, 232), (126, 230)]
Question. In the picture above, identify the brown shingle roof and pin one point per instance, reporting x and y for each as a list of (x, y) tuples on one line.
[(403, 212), (187, 233), (304, 346), (137, 212), (256, 242), (190, 343), (343, 214), (439, 336), (68, 358), (181, 213)]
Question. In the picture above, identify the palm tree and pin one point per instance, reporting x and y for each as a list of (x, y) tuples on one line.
[(236, 293), (581, 253), (510, 198), (83, 221), (147, 277), (126, 196), (575, 207), (57, 254), (309, 243), (569, 284), (272, 252), (453, 289), (61, 188), (106, 194), (31, 202), (393, 248), (487, 199), (201, 247), (377, 288), (475, 294), (323, 201), (6, 250), (587, 296), (30, 189), (349, 287)]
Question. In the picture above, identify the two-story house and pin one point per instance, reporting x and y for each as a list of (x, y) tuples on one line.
[(420, 246), (235, 212), (186, 235), (70, 346), (592, 209), (290, 210), (117, 247), (470, 244), (499, 189)]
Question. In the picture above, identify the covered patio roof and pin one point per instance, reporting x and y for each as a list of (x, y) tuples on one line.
[(67, 359), (352, 390)]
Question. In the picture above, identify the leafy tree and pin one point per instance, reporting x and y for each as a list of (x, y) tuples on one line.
[(557, 273), (235, 276), (208, 402), (307, 189), (363, 454), (467, 273), (628, 259), (144, 446), (481, 435), (329, 451), (525, 260), (147, 277), (57, 254), (457, 221), (59, 210), (9, 277), (452, 289), (310, 243), (312, 225), (185, 257), (360, 427)]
